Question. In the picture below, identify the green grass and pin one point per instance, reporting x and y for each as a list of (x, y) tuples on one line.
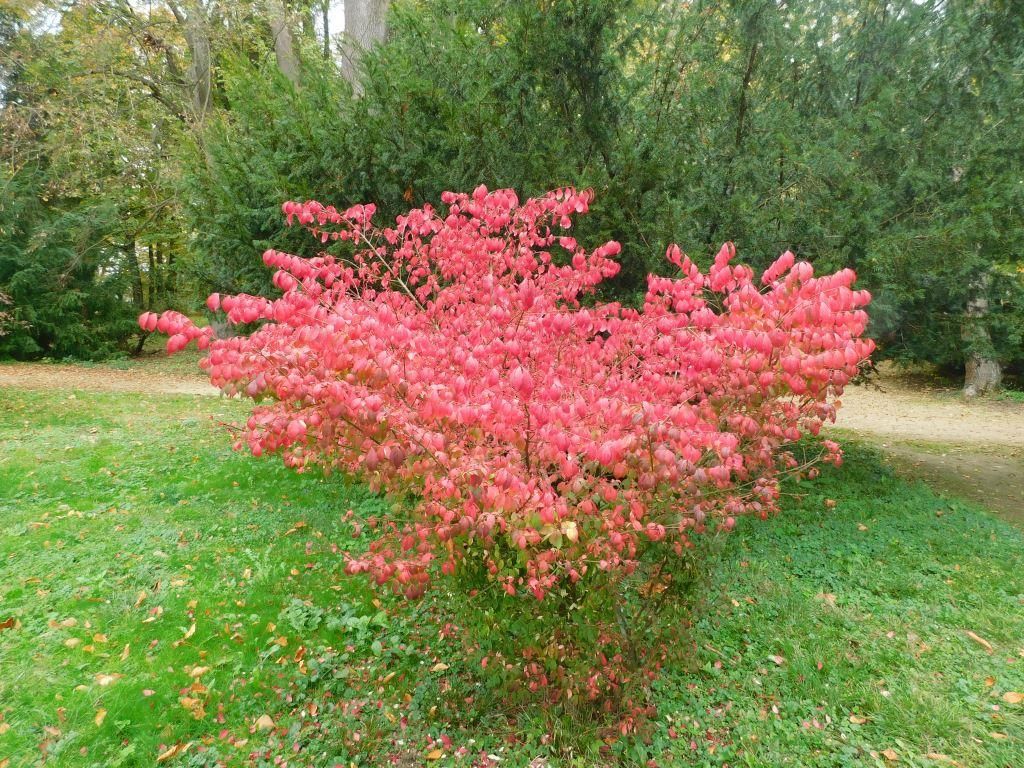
[(184, 591)]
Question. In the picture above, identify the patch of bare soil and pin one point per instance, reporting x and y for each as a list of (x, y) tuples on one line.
[(972, 449), (49, 376)]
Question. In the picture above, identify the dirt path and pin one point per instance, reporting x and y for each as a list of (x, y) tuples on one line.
[(901, 412), (142, 378), (973, 450)]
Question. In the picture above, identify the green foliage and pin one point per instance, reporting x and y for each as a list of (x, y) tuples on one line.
[(271, 143), (63, 277), (882, 136)]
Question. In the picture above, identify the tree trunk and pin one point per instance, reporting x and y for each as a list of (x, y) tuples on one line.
[(325, 13), (151, 277), (197, 38), (982, 371), (131, 256), (365, 25), (284, 43)]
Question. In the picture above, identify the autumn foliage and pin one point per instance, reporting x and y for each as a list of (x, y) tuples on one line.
[(461, 359)]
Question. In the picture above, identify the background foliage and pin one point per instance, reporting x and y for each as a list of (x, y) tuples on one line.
[(878, 134)]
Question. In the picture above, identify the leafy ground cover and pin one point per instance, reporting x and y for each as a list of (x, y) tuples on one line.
[(185, 605)]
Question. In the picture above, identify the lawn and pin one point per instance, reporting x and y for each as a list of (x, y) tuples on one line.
[(163, 599)]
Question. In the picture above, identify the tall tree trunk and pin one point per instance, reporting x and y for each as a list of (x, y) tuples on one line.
[(284, 42), (982, 371), (197, 38), (325, 15), (365, 25), (151, 277)]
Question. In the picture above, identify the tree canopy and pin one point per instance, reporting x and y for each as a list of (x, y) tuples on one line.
[(146, 149)]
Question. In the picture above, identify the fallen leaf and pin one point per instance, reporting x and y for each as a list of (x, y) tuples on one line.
[(779, 660), (1012, 697), (104, 679), (264, 723), (196, 707), (858, 720), (198, 671), (4, 728), (980, 641), (8, 623), (890, 754), (439, 667), (861, 527), (177, 749), (100, 716), (73, 642), (190, 631), (998, 736), (99, 637), (126, 651), (435, 754), (147, 692)]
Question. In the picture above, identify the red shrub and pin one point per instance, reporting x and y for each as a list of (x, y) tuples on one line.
[(460, 356)]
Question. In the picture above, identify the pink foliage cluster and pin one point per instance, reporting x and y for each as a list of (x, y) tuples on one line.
[(463, 357)]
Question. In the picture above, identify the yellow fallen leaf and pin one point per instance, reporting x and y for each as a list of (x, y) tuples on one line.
[(980, 641), (126, 651), (861, 527), (100, 716), (779, 660), (69, 622), (104, 679), (858, 720), (435, 754), (5, 762), (73, 642), (998, 736), (439, 667), (1012, 697), (990, 681), (264, 723), (199, 671), (99, 637), (177, 749), (890, 754), (190, 631), (4, 728)]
